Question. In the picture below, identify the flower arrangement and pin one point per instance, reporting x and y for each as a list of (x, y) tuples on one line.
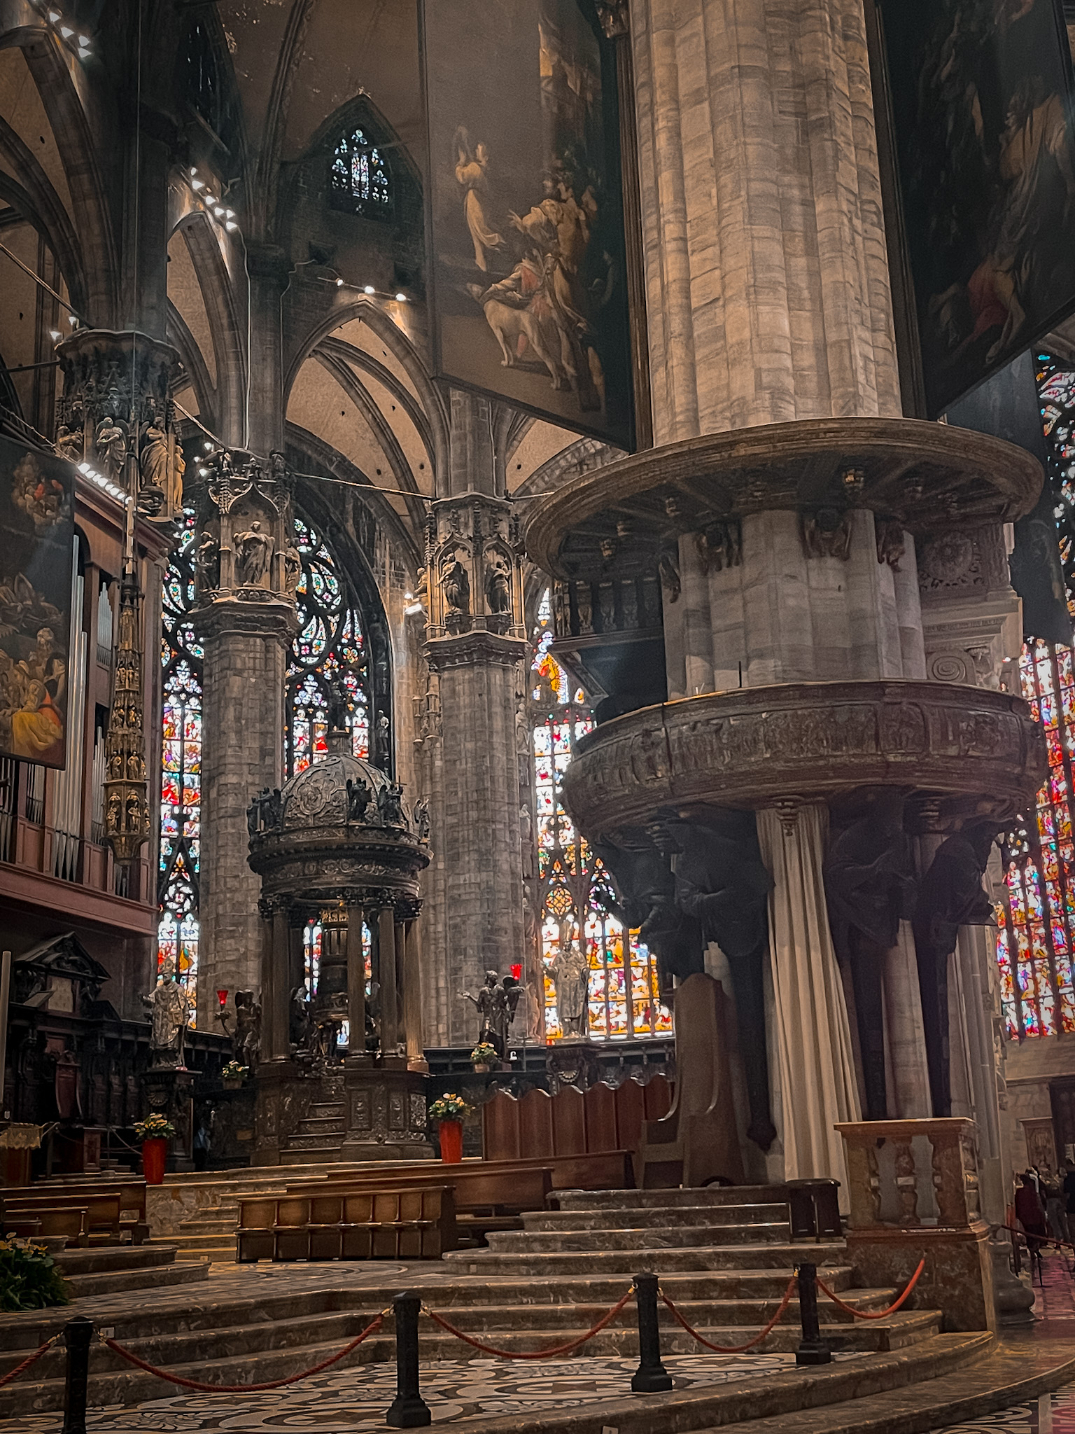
[(448, 1107), (154, 1127), (29, 1279), (484, 1054), (234, 1071)]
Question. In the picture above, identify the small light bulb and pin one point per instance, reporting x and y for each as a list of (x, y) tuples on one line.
[(55, 335), (231, 213), (210, 198), (66, 31), (408, 597), (84, 468), (218, 211), (401, 298), (231, 226), (55, 17), (83, 41), (193, 171), (197, 184), (203, 472), (369, 289), (207, 446), (339, 283), (72, 319)]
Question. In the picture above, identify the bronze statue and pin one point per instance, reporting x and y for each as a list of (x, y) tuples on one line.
[(496, 1006), (169, 1013), (570, 975)]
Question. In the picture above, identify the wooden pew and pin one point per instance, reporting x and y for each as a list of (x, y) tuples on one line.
[(131, 1192), (70, 1222), (101, 1212), (345, 1224)]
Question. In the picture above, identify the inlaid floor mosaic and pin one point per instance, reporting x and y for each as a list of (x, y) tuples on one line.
[(1051, 1414), (356, 1399)]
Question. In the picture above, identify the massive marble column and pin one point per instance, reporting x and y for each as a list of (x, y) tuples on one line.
[(475, 647), (245, 619)]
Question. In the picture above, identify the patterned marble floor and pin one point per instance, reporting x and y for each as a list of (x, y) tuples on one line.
[(356, 1399)]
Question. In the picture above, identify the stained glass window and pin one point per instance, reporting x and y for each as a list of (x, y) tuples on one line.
[(572, 889), (312, 938), (1036, 916), (328, 657), (181, 761), (359, 179)]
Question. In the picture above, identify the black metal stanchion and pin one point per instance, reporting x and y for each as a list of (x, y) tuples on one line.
[(651, 1377), (77, 1333), (408, 1410), (812, 1348)]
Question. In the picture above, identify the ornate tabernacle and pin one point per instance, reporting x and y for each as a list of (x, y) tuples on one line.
[(341, 1064)]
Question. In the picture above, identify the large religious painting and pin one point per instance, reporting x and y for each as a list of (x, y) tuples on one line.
[(527, 254), (36, 562), (981, 98)]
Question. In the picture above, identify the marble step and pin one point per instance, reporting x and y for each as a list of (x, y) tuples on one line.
[(542, 1264), (308, 1144), (636, 1199), (663, 1237), (274, 1355), (640, 1217), (195, 1241), (110, 1282), (110, 1258), (209, 1226)]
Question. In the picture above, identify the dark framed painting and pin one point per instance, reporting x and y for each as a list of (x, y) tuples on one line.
[(524, 201), (36, 574), (985, 149)]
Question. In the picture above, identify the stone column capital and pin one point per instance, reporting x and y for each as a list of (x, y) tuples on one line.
[(227, 617), (473, 571)]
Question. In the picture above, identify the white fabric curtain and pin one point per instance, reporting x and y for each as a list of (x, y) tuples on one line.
[(813, 1037)]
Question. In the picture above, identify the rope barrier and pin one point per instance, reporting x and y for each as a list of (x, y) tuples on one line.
[(552, 1353), (733, 1348), (874, 1314), (1038, 1239), (245, 1388), (32, 1359)]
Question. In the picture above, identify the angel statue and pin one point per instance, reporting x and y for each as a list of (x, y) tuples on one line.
[(496, 1005)]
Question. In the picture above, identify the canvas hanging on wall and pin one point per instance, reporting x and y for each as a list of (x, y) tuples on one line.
[(36, 563), (527, 255), (985, 148)]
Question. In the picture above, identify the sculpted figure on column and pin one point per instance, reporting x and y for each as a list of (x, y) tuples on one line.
[(569, 972), (169, 1012)]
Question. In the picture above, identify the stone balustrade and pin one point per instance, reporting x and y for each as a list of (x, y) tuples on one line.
[(911, 1173)]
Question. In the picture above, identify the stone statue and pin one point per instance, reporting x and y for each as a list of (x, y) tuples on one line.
[(869, 888), (69, 443), (645, 890), (359, 797), (570, 975), (207, 563), (668, 571), (169, 1012), (110, 440), (496, 1006), (421, 818), (154, 465), (456, 584), (253, 553), (498, 584), (950, 895), (390, 805), (299, 1022), (292, 570), (246, 1042)]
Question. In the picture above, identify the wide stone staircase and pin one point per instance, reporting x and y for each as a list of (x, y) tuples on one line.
[(723, 1255)]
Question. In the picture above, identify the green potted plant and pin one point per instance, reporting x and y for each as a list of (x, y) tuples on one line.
[(29, 1279), (233, 1074), (154, 1132), (448, 1111), (484, 1056)]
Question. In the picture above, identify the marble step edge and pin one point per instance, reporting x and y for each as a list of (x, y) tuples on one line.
[(23, 1332), (310, 1334), (786, 1391), (116, 1257), (782, 1394), (111, 1282), (646, 1216), (221, 1226), (679, 1195), (676, 1237), (543, 1263), (1006, 1377)]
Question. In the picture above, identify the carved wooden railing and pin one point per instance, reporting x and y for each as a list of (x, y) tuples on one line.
[(910, 1174)]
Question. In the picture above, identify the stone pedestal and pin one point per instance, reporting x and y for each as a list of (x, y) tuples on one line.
[(168, 1091), (958, 1278), (361, 1110)]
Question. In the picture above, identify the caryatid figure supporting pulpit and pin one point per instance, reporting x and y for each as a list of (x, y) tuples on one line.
[(341, 1073)]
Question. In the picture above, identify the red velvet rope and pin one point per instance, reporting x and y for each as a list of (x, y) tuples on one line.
[(25, 1365), (734, 1348), (874, 1314), (551, 1353), (242, 1388)]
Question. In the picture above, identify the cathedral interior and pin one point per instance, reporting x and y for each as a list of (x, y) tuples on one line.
[(537, 714)]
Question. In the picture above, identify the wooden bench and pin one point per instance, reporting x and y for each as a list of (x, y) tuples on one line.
[(101, 1212), (69, 1222), (399, 1224), (131, 1192)]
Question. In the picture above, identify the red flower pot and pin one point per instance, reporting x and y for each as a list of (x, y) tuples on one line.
[(154, 1155), (451, 1141)]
